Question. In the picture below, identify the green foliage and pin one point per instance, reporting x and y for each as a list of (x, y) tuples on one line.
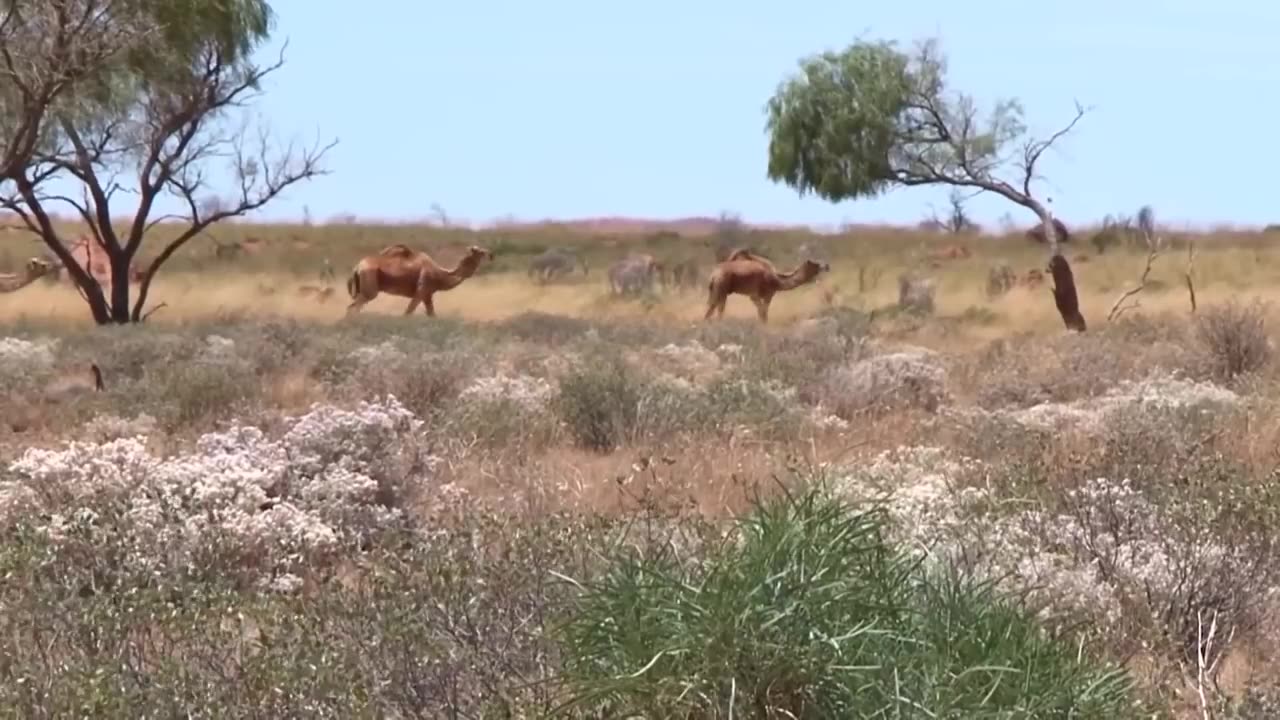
[(140, 48), (805, 611), (599, 404), (857, 122), (186, 27), (833, 126)]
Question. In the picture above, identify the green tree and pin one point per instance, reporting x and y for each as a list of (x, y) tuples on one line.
[(135, 98), (859, 122)]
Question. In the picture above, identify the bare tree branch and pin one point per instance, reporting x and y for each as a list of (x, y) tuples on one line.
[(1119, 307), (1154, 244), (261, 180), (1035, 148), (74, 107), (1188, 274)]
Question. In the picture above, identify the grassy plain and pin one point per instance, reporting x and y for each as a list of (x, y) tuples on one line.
[(559, 526), (865, 265)]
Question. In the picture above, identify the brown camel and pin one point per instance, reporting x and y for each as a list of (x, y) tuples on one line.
[(32, 271), (746, 273), (403, 271)]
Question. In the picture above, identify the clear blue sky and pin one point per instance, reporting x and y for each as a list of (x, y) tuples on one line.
[(570, 108)]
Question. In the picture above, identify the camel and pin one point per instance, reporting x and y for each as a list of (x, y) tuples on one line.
[(32, 271), (746, 273), (405, 272)]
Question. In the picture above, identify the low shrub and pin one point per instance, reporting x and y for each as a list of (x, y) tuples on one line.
[(1235, 338), (804, 610)]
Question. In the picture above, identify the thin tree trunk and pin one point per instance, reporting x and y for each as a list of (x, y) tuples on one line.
[(96, 300), (1065, 296), (120, 289)]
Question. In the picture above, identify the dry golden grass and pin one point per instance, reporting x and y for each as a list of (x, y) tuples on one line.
[(268, 278)]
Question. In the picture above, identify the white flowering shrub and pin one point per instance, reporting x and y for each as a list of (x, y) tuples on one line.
[(103, 428), (282, 506), (911, 378), (1157, 391), (220, 351), (1145, 566), (529, 393), (24, 361), (691, 360), (386, 352), (503, 409)]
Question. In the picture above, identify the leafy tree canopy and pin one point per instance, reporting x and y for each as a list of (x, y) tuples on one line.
[(134, 96), (858, 122)]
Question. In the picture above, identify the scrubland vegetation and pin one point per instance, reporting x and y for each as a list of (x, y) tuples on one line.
[(859, 510), (911, 494)]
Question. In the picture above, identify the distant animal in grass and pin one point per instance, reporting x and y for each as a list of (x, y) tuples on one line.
[(634, 274), (555, 262), (31, 272)]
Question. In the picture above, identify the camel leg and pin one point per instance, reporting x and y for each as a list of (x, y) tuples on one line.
[(720, 303), (762, 308), (766, 299), (420, 294), (429, 305), (358, 302)]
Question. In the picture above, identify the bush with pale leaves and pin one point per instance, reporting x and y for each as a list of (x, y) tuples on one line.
[(1107, 550), (329, 485), (1158, 392), (25, 360), (532, 394)]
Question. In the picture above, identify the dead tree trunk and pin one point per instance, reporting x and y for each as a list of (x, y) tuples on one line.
[(1064, 294)]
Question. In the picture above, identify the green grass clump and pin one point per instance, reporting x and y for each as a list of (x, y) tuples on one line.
[(805, 611)]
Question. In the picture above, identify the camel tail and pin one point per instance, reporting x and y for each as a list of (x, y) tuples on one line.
[(353, 283)]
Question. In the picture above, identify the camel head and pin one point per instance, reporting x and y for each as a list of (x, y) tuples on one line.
[(37, 267), (479, 253), (810, 269)]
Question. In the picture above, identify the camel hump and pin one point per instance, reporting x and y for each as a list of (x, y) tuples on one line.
[(745, 254), (403, 251)]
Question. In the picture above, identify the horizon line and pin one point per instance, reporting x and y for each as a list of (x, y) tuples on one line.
[(629, 224)]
